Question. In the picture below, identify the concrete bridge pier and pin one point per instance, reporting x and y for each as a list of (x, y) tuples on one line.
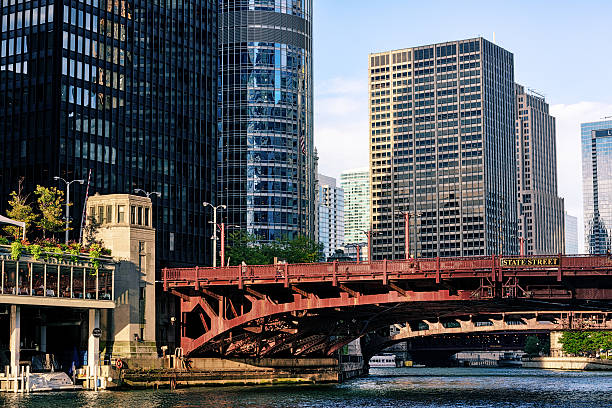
[(15, 340), (93, 350), (43, 338)]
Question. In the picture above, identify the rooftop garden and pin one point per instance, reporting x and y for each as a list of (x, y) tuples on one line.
[(43, 223)]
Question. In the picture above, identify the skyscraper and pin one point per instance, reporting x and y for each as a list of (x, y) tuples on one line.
[(331, 215), (442, 148), (126, 89), (597, 185), (356, 186), (571, 234), (540, 210), (266, 155)]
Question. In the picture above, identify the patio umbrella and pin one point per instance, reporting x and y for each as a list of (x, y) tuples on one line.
[(5, 220)]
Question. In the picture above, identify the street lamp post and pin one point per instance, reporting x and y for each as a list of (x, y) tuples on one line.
[(357, 249), (407, 216), (214, 236), (68, 183), (368, 234), (521, 240), (222, 227), (147, 193)]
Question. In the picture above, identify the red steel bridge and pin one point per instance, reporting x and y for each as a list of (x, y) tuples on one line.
[(315, 309)]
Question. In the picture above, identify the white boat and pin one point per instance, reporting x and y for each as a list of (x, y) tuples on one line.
[(383, 360)]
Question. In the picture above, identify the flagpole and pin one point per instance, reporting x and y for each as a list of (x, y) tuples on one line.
[(85, 207)]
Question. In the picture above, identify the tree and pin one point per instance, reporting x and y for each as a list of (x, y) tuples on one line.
[(245, 248), (532, 346), (90, 231), (585, 343), (19, 210), (50, 205), (301, 250)]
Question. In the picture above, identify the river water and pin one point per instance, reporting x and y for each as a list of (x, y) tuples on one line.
[(400, 387)]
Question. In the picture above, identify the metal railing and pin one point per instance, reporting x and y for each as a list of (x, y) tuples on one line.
[(72, 280), (458, 266)]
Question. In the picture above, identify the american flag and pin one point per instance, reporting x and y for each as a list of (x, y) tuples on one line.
[(303, 144)]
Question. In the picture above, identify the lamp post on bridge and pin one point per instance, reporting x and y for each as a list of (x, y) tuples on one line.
[(407, 215), (357, 249), (521, 240), (222, 228), (68, 183), (368, 234), (214, 236)]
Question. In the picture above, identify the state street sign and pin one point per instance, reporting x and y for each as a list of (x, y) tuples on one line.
[(535, 262)]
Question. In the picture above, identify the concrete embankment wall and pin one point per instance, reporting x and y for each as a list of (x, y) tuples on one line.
[(568, 363), (217, 371)]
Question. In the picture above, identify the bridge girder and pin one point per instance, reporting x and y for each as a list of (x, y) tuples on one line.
[(257, 314)]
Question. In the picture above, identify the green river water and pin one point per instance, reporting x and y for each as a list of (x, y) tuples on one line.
[(400, 387)]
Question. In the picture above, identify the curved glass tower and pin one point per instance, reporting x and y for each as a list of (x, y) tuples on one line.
[(266, 154), (597, 185)]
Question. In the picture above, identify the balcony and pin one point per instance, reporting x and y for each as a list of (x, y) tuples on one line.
[(56, 280)]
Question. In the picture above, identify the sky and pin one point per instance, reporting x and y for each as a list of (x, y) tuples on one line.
[(562, 49)]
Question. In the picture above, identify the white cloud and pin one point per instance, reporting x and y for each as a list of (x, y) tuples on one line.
[(341, 125), (569, 162)]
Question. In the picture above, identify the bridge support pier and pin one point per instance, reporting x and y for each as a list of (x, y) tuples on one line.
[(93, 349), (15, 340)]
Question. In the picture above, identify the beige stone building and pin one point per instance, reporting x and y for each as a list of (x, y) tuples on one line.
[(540, 210), (125, 227)]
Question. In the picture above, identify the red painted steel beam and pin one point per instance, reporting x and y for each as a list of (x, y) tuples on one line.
[(438, 269)]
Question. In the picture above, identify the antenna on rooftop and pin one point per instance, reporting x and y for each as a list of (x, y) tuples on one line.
[(493, 37), (536, 93)]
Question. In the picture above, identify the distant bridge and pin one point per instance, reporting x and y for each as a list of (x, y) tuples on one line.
[(315, 309)]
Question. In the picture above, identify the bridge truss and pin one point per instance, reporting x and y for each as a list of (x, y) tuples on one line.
[(315, 309)]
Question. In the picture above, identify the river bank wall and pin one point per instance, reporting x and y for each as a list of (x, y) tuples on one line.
[(568, 363), (244, 372)]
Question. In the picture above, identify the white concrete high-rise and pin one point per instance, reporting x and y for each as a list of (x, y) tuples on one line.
[(571, 234), (331, 215)]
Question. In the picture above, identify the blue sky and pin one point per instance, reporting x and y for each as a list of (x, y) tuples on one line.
[(562, 49)]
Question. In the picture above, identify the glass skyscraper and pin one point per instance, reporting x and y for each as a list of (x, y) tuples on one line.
[(126, 89), (266, 172), (442, 147), (597, 185), (356, 186)]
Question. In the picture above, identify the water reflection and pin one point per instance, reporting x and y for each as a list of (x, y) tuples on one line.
[(419, 388)]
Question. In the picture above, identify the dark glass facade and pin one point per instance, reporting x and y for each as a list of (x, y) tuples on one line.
[(266, 166), (442, 148), (126, 89)]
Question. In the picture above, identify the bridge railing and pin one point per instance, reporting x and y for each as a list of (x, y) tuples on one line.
[(325, 271)]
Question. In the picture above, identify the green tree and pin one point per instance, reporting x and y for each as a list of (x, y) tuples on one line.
[(245, 248), (19, 210), (301, 250), (50, 201), (90, 231), (532, 346), (584, 342)]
